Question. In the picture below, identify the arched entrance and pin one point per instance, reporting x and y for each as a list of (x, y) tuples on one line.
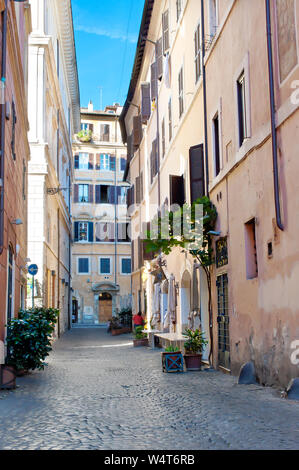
[(105, 307), (185, 299)]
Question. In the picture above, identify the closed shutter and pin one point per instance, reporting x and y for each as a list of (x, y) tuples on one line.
[(137, 130), (112, 163), (155, 158), (76, 231), (76, 162), (145, 229), (137, 185), (140, 253), (165, 28), (90, 193), (111, 194), (177, 190), (159, 58), (98, 194), (90, 163), (197, 174), (141, 186), (130, 147), (90, 232), (154, 84), (133, 255), (145, 101), (76, 193)]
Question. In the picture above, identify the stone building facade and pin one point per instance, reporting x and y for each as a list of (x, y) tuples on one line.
[(15, 29), (54, 115), (215, 93), (101, 251)]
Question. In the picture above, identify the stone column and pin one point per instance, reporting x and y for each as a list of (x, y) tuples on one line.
[(96, 309)]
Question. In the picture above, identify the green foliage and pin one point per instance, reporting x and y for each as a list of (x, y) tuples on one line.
[(195, 342), (172, 349), (84, 135), (199, 247), (138, 334), (29, 338)]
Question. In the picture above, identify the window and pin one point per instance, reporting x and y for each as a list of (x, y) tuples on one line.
[(126, 266), (105, 266), (10, 283), (213, 21), (196, 172), (178, 9), (123, 232), (250, 250), (105, 133), (107, 162), (165, 29), (197, 53), (86, 127), (24, 181), (83, 193), (181, 92), (105, 232), (216, 144), (83, 231), (241, 108), (83, 163), (105, 194), (83, 265), (169, 120)]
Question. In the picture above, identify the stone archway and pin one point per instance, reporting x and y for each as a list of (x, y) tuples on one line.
[(108, 291)]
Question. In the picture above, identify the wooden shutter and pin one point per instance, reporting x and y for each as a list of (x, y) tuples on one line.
[(129, 147), (98, 161), (141, 186), (90, 193), (145, 228), (133, 254), (145, 102), (112, 163), (165, 28), (154, 84), (90, 163), (76, 162), (90, 232), (76, 193), (137, 130), (111, 194), (177, 190), (76, 231), (98, 193), (159, 58), (197, 173)]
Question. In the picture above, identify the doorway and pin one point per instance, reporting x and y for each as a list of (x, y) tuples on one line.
[(223, 321), (105, 307)]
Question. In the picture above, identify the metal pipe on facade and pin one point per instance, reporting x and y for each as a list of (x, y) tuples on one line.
[(204, 82), (2, 146), (273, 120)]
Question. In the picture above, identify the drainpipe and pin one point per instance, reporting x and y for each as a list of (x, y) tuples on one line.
[(2, 147), (273, 121), (204, 82)]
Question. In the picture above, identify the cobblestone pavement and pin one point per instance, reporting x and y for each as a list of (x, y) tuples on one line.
[(99, 392)]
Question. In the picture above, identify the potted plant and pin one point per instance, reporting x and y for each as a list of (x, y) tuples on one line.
[(193, 348), (172, 360), (84, 135), (140, 338), (115, 326), (29, 341)]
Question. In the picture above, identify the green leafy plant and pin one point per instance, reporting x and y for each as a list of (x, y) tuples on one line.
[(115, 323), (201, 250), (138, 333), (195, 342), (84, 135), (29, 338), (172, 349)]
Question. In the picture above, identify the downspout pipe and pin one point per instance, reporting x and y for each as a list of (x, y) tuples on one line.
[(273, 120), (2, 146), (204, 82)]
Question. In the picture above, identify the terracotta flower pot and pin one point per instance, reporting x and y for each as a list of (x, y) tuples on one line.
[(193, 361), (7, 377)]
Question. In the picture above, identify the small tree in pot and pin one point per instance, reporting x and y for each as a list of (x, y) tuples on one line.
[(193, 348), (140, 338)]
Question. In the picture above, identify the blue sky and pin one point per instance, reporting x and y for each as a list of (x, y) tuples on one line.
[(106, 33)]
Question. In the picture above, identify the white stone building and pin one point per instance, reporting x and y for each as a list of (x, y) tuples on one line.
[(54, 116)]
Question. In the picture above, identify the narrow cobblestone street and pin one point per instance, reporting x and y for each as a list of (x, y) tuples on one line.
[(99, 392)]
